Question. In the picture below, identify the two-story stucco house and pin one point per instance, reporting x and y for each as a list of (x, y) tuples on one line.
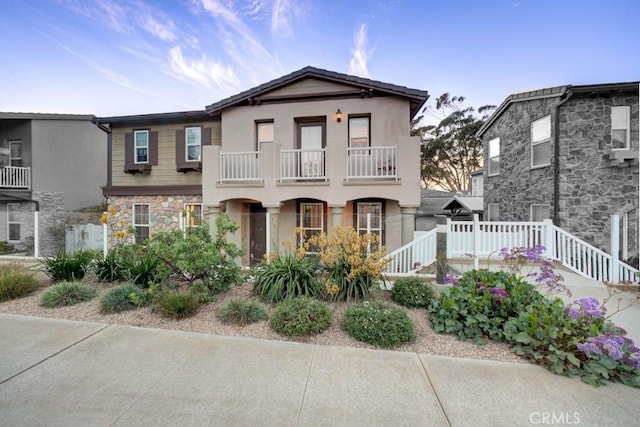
[(49, 163), (568, 153), (309, 150)]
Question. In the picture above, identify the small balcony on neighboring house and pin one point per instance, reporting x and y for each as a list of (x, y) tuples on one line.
[(14, 177)]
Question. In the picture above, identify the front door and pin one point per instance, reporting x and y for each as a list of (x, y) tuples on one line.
[(257, 233)]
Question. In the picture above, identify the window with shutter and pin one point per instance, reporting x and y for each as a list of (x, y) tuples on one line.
[(139, 151)]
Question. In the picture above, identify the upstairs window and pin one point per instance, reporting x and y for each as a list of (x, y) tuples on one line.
[(194, 139), (541, 142), (494, 156), (264, 133), (359, 131), (141, 148), (15, 153), (620, 128)]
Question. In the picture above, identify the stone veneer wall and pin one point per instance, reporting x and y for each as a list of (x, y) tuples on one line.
[(591, 190), (51, 217), (518, 185), (165, 212)]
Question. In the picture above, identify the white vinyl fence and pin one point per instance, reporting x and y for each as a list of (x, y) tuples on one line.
[(481, 239)]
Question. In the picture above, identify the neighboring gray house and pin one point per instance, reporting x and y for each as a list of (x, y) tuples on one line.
[(53, 163), (569, 153), (431, 202)]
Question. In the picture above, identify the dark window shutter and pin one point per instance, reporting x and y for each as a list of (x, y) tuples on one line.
[(153, 148), (206, 136), (180, 147), (128, 151)]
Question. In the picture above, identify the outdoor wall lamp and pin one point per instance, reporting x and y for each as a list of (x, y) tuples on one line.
[(338, 116)]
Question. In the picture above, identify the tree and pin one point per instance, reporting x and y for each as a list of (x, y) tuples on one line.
[(450, 150)]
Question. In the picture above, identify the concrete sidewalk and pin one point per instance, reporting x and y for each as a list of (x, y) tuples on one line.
[(55, 372)]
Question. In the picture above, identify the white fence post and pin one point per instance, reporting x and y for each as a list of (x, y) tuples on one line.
[(547, 238), (105, 243), (614, 266), (476, 241), (36, 234)]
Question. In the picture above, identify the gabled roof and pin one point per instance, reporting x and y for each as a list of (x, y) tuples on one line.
[(470, 204), (551, 92), (431, 202), (416, 97)]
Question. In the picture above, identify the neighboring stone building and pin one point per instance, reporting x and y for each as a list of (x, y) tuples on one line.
[(53, 163), (568, 153)]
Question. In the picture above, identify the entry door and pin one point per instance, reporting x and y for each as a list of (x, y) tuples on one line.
[(311, 137), (257, 233)]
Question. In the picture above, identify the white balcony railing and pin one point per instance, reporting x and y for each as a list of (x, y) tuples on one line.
[(302, 165), (372, 162), (241, 167), (15, 177)]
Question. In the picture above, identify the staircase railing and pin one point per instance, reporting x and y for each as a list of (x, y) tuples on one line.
[(417, 253)]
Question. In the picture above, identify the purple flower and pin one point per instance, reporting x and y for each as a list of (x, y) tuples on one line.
[(615, 346), (453, 279), (588, 308), (499, 293), (589, 347)]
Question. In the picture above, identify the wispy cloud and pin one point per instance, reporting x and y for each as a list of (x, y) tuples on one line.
[(162, 31), (203, 72), (358, 64), (240, 43), (282, 14)]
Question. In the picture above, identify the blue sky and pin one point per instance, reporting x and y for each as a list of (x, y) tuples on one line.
[(121, 57)]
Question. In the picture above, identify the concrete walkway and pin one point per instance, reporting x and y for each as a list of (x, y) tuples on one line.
[(65, 373)]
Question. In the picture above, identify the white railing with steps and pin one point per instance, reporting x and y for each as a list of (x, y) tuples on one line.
[(419, 252), (574, 254)]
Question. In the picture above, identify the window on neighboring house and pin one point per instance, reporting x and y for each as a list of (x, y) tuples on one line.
[(13, 221), (494, 156), (311, 221), (620, 128), (192, 215), (540, 212), (541, 142), (264, 133), (494, 212), (359, 131), (15, 153), (194, 139), (141, 146), (141, 221)]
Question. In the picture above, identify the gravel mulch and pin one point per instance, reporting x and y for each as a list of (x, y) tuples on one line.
[(205, 321)]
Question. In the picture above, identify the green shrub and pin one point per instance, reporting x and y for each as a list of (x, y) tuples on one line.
[(574, 340), (198, 256), (69, 267), (287, 276), (137, 265), (120, 298), (66, 293), (108, 269), (480, 304), (412, 292), (16, 282), (178, 305), (6, 247), (378, 324), (301, 316), (242, 312)]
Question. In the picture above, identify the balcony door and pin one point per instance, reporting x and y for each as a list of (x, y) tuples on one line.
[(311, 140)]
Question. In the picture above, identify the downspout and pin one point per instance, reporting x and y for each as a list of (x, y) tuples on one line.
[(556, 158)]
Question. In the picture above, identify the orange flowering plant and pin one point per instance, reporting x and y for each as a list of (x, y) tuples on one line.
[(353, 262), (118, 228)]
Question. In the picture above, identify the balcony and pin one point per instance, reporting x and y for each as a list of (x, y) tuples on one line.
[(15, 177), (371, 163)]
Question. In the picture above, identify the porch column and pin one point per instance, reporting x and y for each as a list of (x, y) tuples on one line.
[(273, 236), (214, 213), (408, 223), (337, 212)]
